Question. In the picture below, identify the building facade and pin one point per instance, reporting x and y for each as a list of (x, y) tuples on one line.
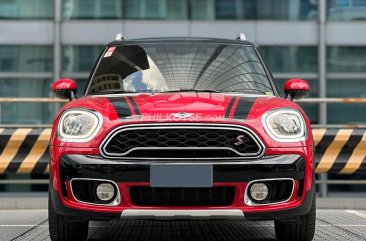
[(322, 41)]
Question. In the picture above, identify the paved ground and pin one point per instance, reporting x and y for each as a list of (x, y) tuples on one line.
[(33, 225)]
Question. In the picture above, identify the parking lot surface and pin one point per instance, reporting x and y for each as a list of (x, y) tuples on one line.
[(33, 225)]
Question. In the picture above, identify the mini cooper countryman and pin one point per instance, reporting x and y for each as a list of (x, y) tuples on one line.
[(181, 128)]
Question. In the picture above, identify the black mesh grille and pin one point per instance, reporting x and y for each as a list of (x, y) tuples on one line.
[(182, 143), (216, 196)]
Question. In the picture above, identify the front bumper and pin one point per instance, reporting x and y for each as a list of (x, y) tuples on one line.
[(127, 175)]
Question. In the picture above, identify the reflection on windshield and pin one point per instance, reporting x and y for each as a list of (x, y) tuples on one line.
[(149, 79), (180, 66)]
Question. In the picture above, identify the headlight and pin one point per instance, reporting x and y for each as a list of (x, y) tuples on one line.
[(285, 125), (79, 125)]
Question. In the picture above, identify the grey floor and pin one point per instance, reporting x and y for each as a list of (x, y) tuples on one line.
[(331, 225)]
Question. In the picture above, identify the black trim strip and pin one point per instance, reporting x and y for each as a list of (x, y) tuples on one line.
[(243, 108), (24, 150), (282, 166), (121, 106), (135, 107), (230, 106)]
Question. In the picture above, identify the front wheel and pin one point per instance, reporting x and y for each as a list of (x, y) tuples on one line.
[(62, 229), (303, 231)]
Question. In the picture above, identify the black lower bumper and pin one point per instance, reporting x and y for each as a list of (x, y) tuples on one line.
[(76, 214), (283, 166), (82, 166), (287, 214)]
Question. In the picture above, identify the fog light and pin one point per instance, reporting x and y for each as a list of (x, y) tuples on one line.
[(105, 191), (259, 191)]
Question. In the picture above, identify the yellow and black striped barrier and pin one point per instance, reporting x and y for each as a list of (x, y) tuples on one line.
[(25, 150), (341, 151)]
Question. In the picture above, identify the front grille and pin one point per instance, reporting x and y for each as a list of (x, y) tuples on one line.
[(182, 142), (215, 196)]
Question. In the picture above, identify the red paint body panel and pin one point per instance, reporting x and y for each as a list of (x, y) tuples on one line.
[(207, 107)]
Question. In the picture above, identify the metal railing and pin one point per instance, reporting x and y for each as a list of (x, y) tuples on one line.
[(305, 101)]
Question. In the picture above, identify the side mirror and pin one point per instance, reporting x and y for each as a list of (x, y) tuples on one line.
[(65, 89), (296, 88)]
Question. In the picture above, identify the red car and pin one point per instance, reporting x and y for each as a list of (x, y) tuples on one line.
[(181, 128)]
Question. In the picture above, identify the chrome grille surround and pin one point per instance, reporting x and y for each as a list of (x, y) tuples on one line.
[(198, 126)]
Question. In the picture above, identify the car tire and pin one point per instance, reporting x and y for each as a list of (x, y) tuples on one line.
[(303, 231), (62, 229)]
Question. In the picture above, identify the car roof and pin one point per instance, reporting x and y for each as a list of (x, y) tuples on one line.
[(180, 39)]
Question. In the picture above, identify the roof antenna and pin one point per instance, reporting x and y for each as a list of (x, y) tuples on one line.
[(120, 37), (241, 37)]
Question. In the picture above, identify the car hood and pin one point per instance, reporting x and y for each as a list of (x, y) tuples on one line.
[(214, 108), (196, 107)]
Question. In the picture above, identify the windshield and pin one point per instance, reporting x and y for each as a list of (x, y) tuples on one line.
[(182, 66)]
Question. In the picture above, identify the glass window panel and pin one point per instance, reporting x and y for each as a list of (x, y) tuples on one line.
[(339, 113), (25, 113), (346, 59), (346, 9), (177, 9), (311, 110), (26, 58), (254, 9), (79, 58), (27, 9), (25, 87), (156, 9), (203, 9), (290, 59), (81, 84), (92, 9), (287, 9), (235, 9), (174, 66)]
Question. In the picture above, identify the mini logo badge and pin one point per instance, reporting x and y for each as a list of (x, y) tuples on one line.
[(240, 140), (182, 115)]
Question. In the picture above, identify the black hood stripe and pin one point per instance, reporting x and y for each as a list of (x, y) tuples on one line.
[(127, 110), (121, 106), (229, 107), (243, 108), (134, 105)]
